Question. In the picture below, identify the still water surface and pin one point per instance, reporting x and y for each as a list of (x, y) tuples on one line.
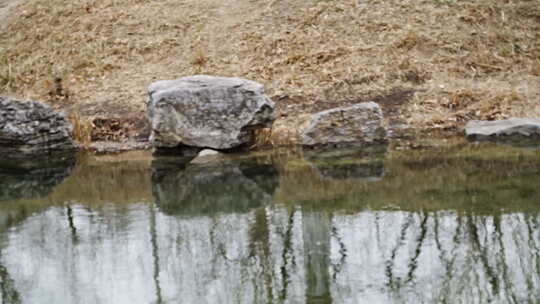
[(459, 224)]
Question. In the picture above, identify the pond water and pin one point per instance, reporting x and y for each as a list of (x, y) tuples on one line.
[(458, 224)]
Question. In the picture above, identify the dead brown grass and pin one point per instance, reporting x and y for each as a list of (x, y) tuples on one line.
[(82, 129), (464, 59)]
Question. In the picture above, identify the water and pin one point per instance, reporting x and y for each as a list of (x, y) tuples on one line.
[(459, 224)]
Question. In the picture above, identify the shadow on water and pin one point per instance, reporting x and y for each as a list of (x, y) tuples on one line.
[(442, 226)]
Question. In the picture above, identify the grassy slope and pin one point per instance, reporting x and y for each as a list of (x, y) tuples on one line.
[(464, 59)]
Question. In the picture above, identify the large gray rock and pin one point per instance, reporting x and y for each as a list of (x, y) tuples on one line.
[(33, 129), (207, 112), (356, 125), (513, 129)]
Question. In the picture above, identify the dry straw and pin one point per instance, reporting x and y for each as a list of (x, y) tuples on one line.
[(464, 59)]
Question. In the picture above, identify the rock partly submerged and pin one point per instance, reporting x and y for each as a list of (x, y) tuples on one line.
[(33, 131), (197, 112), (517, 130), (207, 156), (353, 126)]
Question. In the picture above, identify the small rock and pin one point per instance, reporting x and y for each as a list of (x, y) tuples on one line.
[(357, 125), (207, 112), (513, 129), (32, 128), (207, 156), (208, 152)]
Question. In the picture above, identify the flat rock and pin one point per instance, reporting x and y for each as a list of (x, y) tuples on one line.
[(513, 129), (207, 112), (32, 128), (356, 125)]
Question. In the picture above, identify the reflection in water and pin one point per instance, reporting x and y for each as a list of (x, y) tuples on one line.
[(217, 187), (372, 171), (316, 228), (228, 234), (9, 293), (438, 257), (349, 164), (286, 255), (32, 180)]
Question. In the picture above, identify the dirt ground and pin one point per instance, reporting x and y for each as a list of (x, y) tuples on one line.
[(431, 64)]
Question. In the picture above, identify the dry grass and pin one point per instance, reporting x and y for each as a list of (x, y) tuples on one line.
[(465, 59), (82, 129)]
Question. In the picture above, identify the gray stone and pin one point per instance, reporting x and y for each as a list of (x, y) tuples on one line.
[(208, 152), (357, 125), (513, 129), (207, 112), (206, 156), (32, 128)]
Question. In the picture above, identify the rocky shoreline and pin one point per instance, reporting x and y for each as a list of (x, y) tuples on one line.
[(196, 113)]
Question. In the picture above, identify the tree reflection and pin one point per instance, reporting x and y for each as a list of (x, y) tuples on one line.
[(155, 253), (217, 234), (259, 249), (317, 228), (9, 293), (482, 259), (276, 254)]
